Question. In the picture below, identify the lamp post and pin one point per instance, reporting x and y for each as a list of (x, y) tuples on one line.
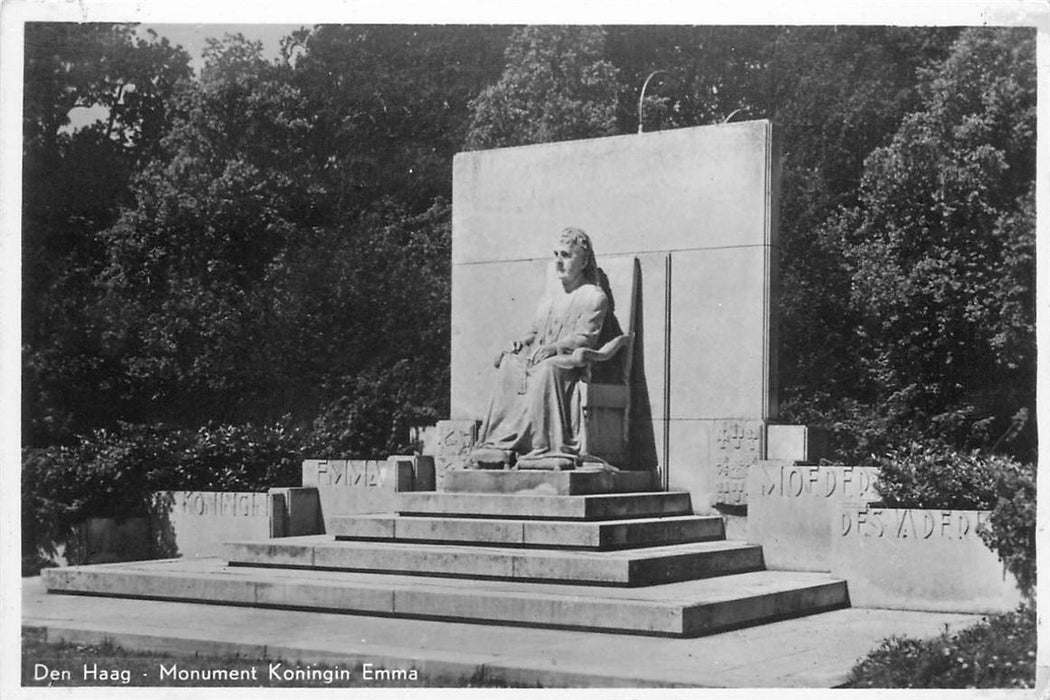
[(641, 97)]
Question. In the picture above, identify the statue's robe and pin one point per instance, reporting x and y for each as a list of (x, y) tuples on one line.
[(534, 410)]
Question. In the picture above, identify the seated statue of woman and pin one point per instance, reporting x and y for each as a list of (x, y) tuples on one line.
[(533, 415)]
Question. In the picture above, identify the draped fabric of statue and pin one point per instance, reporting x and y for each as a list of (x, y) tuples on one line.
[(534, 410)]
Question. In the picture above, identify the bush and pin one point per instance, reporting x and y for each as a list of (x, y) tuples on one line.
[(940, 477), (998, 652), (112, 474), (937, 476), (1011, 527)]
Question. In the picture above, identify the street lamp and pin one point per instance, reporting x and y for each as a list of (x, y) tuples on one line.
[(641, 97)]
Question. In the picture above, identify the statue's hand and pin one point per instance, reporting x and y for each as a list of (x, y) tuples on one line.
[(542, 353)]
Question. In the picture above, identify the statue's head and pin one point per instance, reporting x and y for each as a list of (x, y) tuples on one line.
[(579, 243)]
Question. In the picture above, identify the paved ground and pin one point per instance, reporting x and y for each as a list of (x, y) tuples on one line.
[(815, 651)]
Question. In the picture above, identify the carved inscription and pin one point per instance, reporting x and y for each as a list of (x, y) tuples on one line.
[(902, 523), (737, 446), (224, 504), (794, 481), (455, 439), (351, 473)]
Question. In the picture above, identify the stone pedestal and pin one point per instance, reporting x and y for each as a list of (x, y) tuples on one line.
[(697, 208)]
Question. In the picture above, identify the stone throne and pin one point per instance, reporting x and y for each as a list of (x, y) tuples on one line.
[(605, 392), (602, 400)]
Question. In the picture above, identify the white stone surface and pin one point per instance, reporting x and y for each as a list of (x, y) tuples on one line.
[(811, 651), (910, 559), (791, 507), (196, 523), (705, 197), (348, 487), (797, 443)]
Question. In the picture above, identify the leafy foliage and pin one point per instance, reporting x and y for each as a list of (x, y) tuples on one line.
[(74, 182), (556, 86), (940, 477), (998, 652), (112, 473), (1012, 526), (940, 252), (390, 106)]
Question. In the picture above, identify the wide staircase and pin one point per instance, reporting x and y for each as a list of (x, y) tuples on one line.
[(592, 550)]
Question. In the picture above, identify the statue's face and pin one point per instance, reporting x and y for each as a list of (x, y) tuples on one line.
[(569, 261)]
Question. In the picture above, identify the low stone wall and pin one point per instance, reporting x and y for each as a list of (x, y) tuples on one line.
[(790, 509), (919, 560), (821, 518), (349, 487), (196, 523)]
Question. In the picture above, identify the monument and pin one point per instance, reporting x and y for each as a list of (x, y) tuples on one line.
[(697, 209)]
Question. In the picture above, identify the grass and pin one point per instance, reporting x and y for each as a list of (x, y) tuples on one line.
[(63, 664)]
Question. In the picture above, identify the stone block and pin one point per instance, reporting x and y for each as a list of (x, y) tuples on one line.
[(458, 530), (423, 471), (375, 526), (754, 603), (347, 487), (566, 483), (277, 552), (300, 511), (319, 596), (142, 583), (630, 567), (796, 443), (790, 508), (909, 559), (736, 448), (196, 523), (614, 534), (591, 507), (450, 446)]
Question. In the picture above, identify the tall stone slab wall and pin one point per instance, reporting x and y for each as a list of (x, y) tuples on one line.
[(696, 207)]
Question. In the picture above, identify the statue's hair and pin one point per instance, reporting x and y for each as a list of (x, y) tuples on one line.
[(578, 238)]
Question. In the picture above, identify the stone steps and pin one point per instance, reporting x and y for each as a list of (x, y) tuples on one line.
[(552, 549), (601, 534), (630, 567), (577, 482), (546, 507), (684, 609)]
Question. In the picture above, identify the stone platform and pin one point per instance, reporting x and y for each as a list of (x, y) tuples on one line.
[(605, 534), (814, 651), (579, 550), (688, 608)]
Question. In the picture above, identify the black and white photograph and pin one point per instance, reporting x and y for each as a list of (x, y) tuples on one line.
[(629, 346)]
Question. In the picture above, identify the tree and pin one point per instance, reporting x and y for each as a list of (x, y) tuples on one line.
[(390, 105), (188, 263), (556, 85), (711, 74), (232, 295), (74, 181), (836, 93), (940, 251)]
